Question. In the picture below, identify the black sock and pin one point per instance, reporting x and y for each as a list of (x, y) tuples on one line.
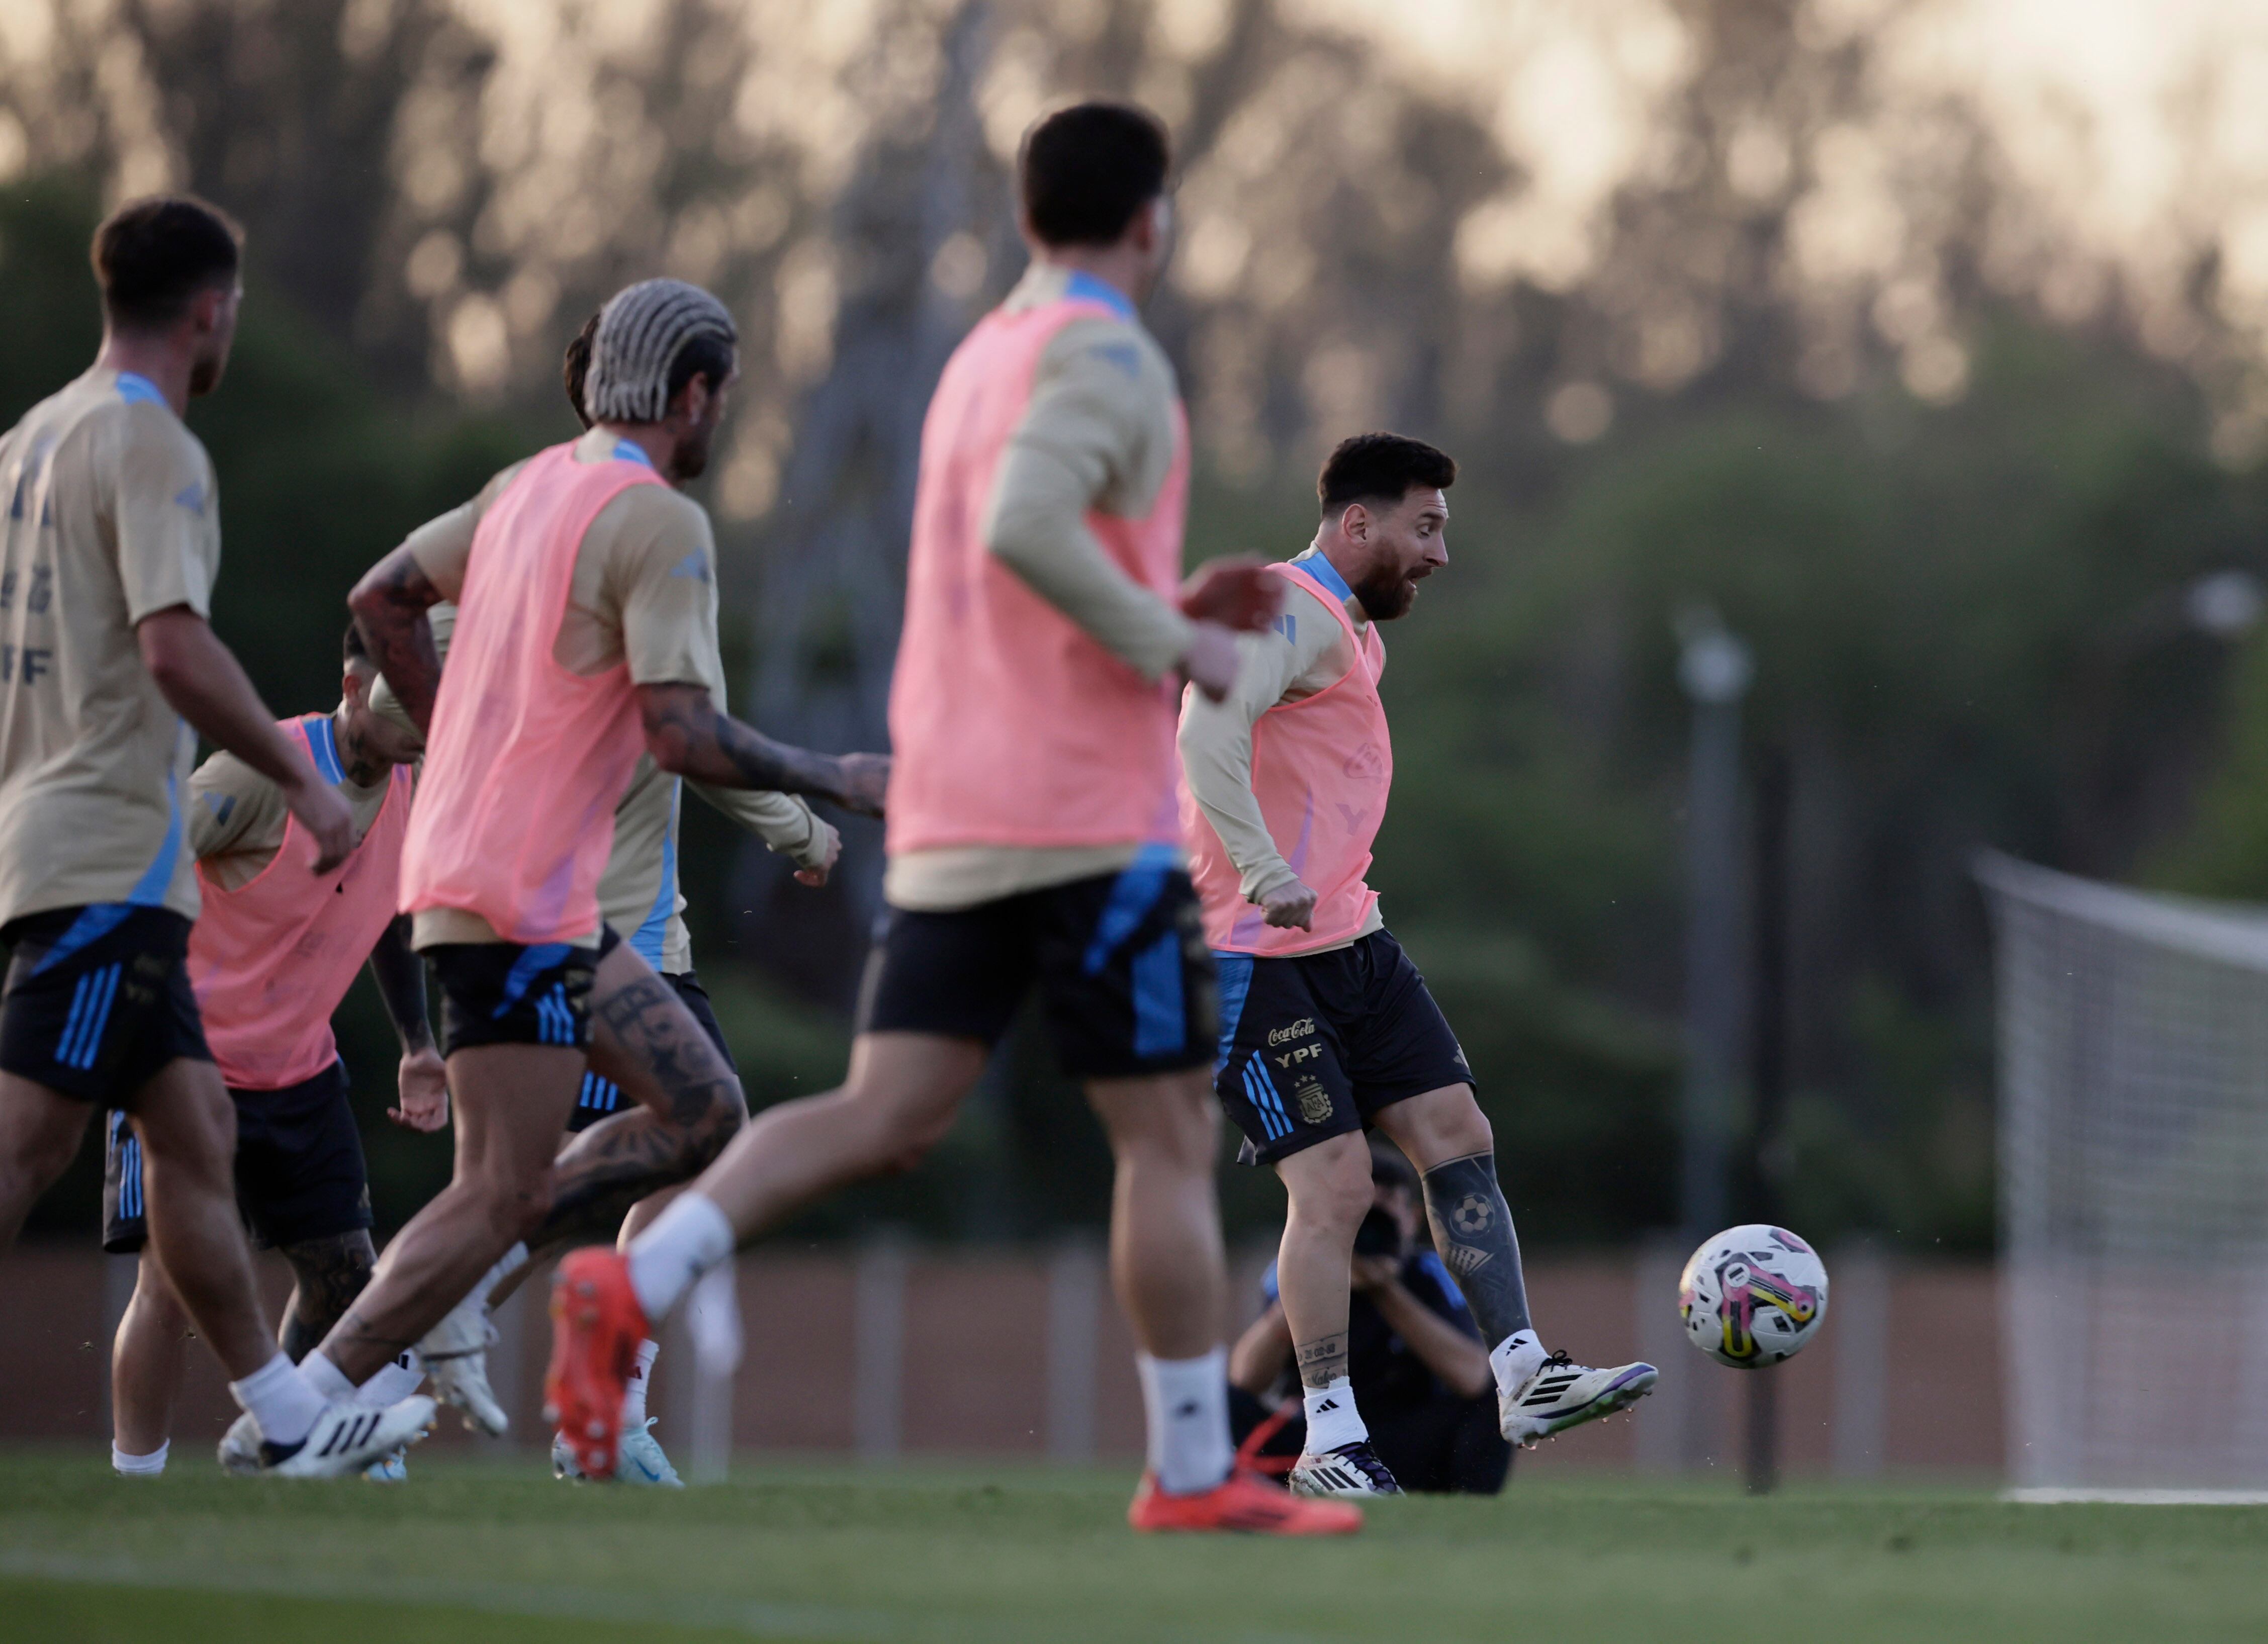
[(1472, 1226)]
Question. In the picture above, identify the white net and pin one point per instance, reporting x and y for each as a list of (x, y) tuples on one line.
[(2133, 1044)]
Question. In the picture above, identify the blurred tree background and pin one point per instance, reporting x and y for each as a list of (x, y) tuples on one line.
[(1923, 349)]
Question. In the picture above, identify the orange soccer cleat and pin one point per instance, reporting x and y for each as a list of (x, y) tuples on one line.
[(1242, 1501), (596, 1327)]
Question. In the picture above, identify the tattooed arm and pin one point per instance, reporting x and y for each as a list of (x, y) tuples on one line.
[(389, 605), (401, 977), (689, 737)]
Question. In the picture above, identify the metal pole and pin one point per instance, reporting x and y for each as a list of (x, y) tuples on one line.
[(1768, 1072), (1714, 667)]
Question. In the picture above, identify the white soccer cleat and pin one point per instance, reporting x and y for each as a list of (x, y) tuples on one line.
[(638, 1460), (347, 1438), (239, 1447), (1351, 1470), (456, 1355), (1562, 1394)]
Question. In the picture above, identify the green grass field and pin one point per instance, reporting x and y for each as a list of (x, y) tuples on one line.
[(468, 1553)]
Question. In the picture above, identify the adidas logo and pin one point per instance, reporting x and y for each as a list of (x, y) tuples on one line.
[(353, 1435), (1328, 1404)]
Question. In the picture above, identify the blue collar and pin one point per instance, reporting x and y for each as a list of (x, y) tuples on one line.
[(1087, 288), (1317, 564), (631, 451), (135, 388)]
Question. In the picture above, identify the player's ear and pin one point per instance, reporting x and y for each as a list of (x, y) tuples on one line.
[(1354, 523)]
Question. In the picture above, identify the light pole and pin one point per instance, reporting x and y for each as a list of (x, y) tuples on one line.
[(1714, 667)]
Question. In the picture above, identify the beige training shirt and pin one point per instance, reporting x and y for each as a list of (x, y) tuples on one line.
[(1281, 664), (112, 515), (1098, 436), (643, 593)]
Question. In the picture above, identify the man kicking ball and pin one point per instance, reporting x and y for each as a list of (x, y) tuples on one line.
[(1326, 1025)]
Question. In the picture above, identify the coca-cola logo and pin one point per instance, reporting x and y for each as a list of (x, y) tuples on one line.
[(1299, 1029)]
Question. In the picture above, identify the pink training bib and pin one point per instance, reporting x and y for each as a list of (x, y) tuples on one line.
[(526, 761), (1321, 767), (1009, 725), (270, 961)]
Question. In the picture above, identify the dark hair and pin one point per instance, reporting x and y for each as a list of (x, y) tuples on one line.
[(355, 648), (152, 256), (1382, 467), (576, 365), (703, 355), (1085, 171)]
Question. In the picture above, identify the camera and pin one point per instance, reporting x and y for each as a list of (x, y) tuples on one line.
[(1380, 1235)]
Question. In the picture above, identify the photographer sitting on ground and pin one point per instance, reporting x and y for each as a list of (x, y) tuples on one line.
[(1413, 1353)]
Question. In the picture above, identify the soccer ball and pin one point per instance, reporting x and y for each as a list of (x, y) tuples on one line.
[(1752, 1296)]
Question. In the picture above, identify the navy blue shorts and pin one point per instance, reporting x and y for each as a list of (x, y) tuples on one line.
[(98, 999), (1120, 960), (300, 1169), (602, 1098), (505, 994), (1312, 1046)]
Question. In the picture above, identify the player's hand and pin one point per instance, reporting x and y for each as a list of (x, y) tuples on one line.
[(325, 815), (424, 1084), (1209, 663), (1369, 1273), (1237, 593), (1290, 907), (866, 783), (831, 852)]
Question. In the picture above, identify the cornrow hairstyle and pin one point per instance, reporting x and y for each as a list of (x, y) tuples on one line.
[(645, 332)]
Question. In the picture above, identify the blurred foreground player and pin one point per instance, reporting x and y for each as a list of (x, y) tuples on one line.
[(1327, 1027), (273, 951), (585, 634), (1032, 832), (107, 668)]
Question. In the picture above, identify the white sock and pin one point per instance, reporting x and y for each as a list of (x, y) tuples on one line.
[(1515, 1358), (685, 1241), (329, 1381), (1332, 1419), (634, 1394), (140, 1466), (393, 1383), (1186, 1401), (281, 1400)]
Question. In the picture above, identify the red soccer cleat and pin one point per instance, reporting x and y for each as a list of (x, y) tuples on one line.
[(1242, 1502), (596, 1327)]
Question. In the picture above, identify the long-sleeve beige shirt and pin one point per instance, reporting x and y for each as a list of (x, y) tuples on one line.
[(1098, 436), (1306, 652)]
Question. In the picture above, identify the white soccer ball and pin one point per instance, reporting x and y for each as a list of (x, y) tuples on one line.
[(1752, 1296)]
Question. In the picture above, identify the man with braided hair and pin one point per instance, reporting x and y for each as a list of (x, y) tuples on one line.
[(638, 896), (585, 635)]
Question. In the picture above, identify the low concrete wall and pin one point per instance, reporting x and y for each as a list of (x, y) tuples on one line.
[(893, 1350)]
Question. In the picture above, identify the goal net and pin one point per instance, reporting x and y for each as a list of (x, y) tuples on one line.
[(2133, 1055)]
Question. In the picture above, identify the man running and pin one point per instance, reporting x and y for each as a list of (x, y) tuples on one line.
[(274, 950), (1326, 1025), (108, 555), (1032, 832), (586, 633), (639, 893)]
